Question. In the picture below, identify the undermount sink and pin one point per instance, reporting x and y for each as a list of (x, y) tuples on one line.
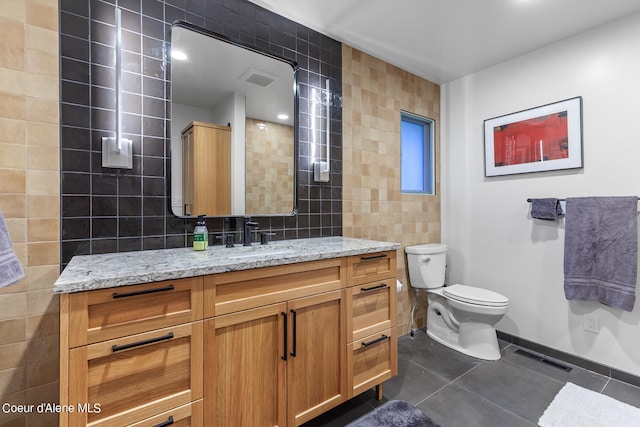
[(263, 253)]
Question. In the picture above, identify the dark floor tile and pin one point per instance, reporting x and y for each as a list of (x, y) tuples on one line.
[(521, 391), (577, 375), (474, 411), (413, 383), (435, 357), (343, 414), (623, 392)]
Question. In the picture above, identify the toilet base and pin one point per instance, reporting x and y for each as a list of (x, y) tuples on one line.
[(470, 334), (487, 351)]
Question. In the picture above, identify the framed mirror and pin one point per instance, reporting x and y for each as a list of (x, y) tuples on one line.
[(234, 113)]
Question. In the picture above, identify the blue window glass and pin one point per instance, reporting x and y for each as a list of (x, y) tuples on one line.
[(416, 151)]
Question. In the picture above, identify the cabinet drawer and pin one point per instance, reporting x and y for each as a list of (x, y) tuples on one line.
[(106, 314), (184, 416), (371, 267), (371, 361), (136, 377), (372, 308), (242, 290)]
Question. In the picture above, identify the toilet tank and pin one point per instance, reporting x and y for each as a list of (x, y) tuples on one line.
[(427, 265)]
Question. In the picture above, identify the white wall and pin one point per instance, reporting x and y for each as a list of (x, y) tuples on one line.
[(233, 110), (493, 241)]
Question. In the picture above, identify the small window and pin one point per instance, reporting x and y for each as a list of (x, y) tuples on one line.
[(417, 168)]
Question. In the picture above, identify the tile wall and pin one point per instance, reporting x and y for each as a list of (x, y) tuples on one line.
[(266, 191), (106, 210), (373, 208), (29, 200)]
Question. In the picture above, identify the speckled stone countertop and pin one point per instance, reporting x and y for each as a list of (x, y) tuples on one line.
[(87, 272)]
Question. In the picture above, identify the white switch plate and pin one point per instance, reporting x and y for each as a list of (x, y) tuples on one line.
[(112, 158)]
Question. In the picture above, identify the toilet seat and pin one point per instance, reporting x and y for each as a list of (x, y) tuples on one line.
[(477, 296)]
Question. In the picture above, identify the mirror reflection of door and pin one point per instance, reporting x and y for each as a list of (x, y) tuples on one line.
[(222, 84)]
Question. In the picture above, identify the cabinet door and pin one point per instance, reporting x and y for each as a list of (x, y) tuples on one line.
[(106, 314), (371, 308), (371, 267), (316, 371), (133, 378), (245, 369), (185, 416), (372, 360), (211, 170)]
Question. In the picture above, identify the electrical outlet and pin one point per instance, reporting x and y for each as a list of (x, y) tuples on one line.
[(590, 323)]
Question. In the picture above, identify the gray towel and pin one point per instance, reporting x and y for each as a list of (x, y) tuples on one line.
[(10, 268), (601, 250), (547, 209)]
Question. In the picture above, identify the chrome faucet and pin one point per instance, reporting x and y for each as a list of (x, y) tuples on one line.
[(248, 224)]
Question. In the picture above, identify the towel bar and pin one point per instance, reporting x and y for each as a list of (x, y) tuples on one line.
[(562, 200)]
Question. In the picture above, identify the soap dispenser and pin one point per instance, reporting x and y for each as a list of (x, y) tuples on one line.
[(200, 235)]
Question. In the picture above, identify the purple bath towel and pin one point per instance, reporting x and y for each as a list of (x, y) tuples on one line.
[(10, 268), (601, 250)]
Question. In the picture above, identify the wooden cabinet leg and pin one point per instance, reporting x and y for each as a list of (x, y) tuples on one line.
[(379, 392)]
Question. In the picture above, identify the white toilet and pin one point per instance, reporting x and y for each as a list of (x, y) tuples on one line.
[(458, 316)]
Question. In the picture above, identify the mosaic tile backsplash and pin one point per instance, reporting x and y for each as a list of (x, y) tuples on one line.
[(107, 210)]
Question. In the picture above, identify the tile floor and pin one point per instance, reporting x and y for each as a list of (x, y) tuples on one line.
[(460, 391)]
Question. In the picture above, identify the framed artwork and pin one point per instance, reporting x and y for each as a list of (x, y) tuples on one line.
[(544, 138)]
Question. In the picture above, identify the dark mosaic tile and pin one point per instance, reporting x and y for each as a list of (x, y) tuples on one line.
[(146, 30), (520, 391), (624, 392), (475, 411), (76, 206)]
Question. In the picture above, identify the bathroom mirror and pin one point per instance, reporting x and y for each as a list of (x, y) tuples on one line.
[(224, 87)]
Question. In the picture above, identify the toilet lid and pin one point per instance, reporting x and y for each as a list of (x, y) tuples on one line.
[(478, 296)]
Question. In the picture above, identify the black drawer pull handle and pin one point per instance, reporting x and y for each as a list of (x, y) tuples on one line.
[(373, 288), (166, 423), (372, 342), (144, 342), (284, 318), (295, 332), (144, 292), (369, 258)]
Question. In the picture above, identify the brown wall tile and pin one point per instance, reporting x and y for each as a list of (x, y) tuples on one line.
[(13, 306), (13, 330), (13, 355), (30, 202), (43, 253), (13, 131), (13, 205), (374, 93)]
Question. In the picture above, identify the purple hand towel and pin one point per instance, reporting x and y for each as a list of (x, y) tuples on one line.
[(10, 268), (601, 250), (547, 209)]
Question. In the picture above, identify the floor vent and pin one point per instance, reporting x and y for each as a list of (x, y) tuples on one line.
[(543, 360)]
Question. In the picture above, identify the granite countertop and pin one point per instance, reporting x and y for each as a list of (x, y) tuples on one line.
[(88, 272)]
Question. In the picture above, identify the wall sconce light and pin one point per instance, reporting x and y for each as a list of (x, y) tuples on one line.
[(321, 168), (117, 152)]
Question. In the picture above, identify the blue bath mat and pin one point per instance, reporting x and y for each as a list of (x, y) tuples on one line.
[(394, 413)]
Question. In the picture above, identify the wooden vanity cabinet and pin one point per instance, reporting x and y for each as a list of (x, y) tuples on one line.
[(206, 169), (131, 353), (279, 364), (371, 300), (272, 346)]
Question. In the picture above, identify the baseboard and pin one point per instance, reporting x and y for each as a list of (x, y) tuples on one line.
[(571, 359)]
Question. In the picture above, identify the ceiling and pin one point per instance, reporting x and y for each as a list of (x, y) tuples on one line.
[(443, 40)]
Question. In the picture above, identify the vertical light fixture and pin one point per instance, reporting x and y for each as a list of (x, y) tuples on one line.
[(321, 169), (117, 152)]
